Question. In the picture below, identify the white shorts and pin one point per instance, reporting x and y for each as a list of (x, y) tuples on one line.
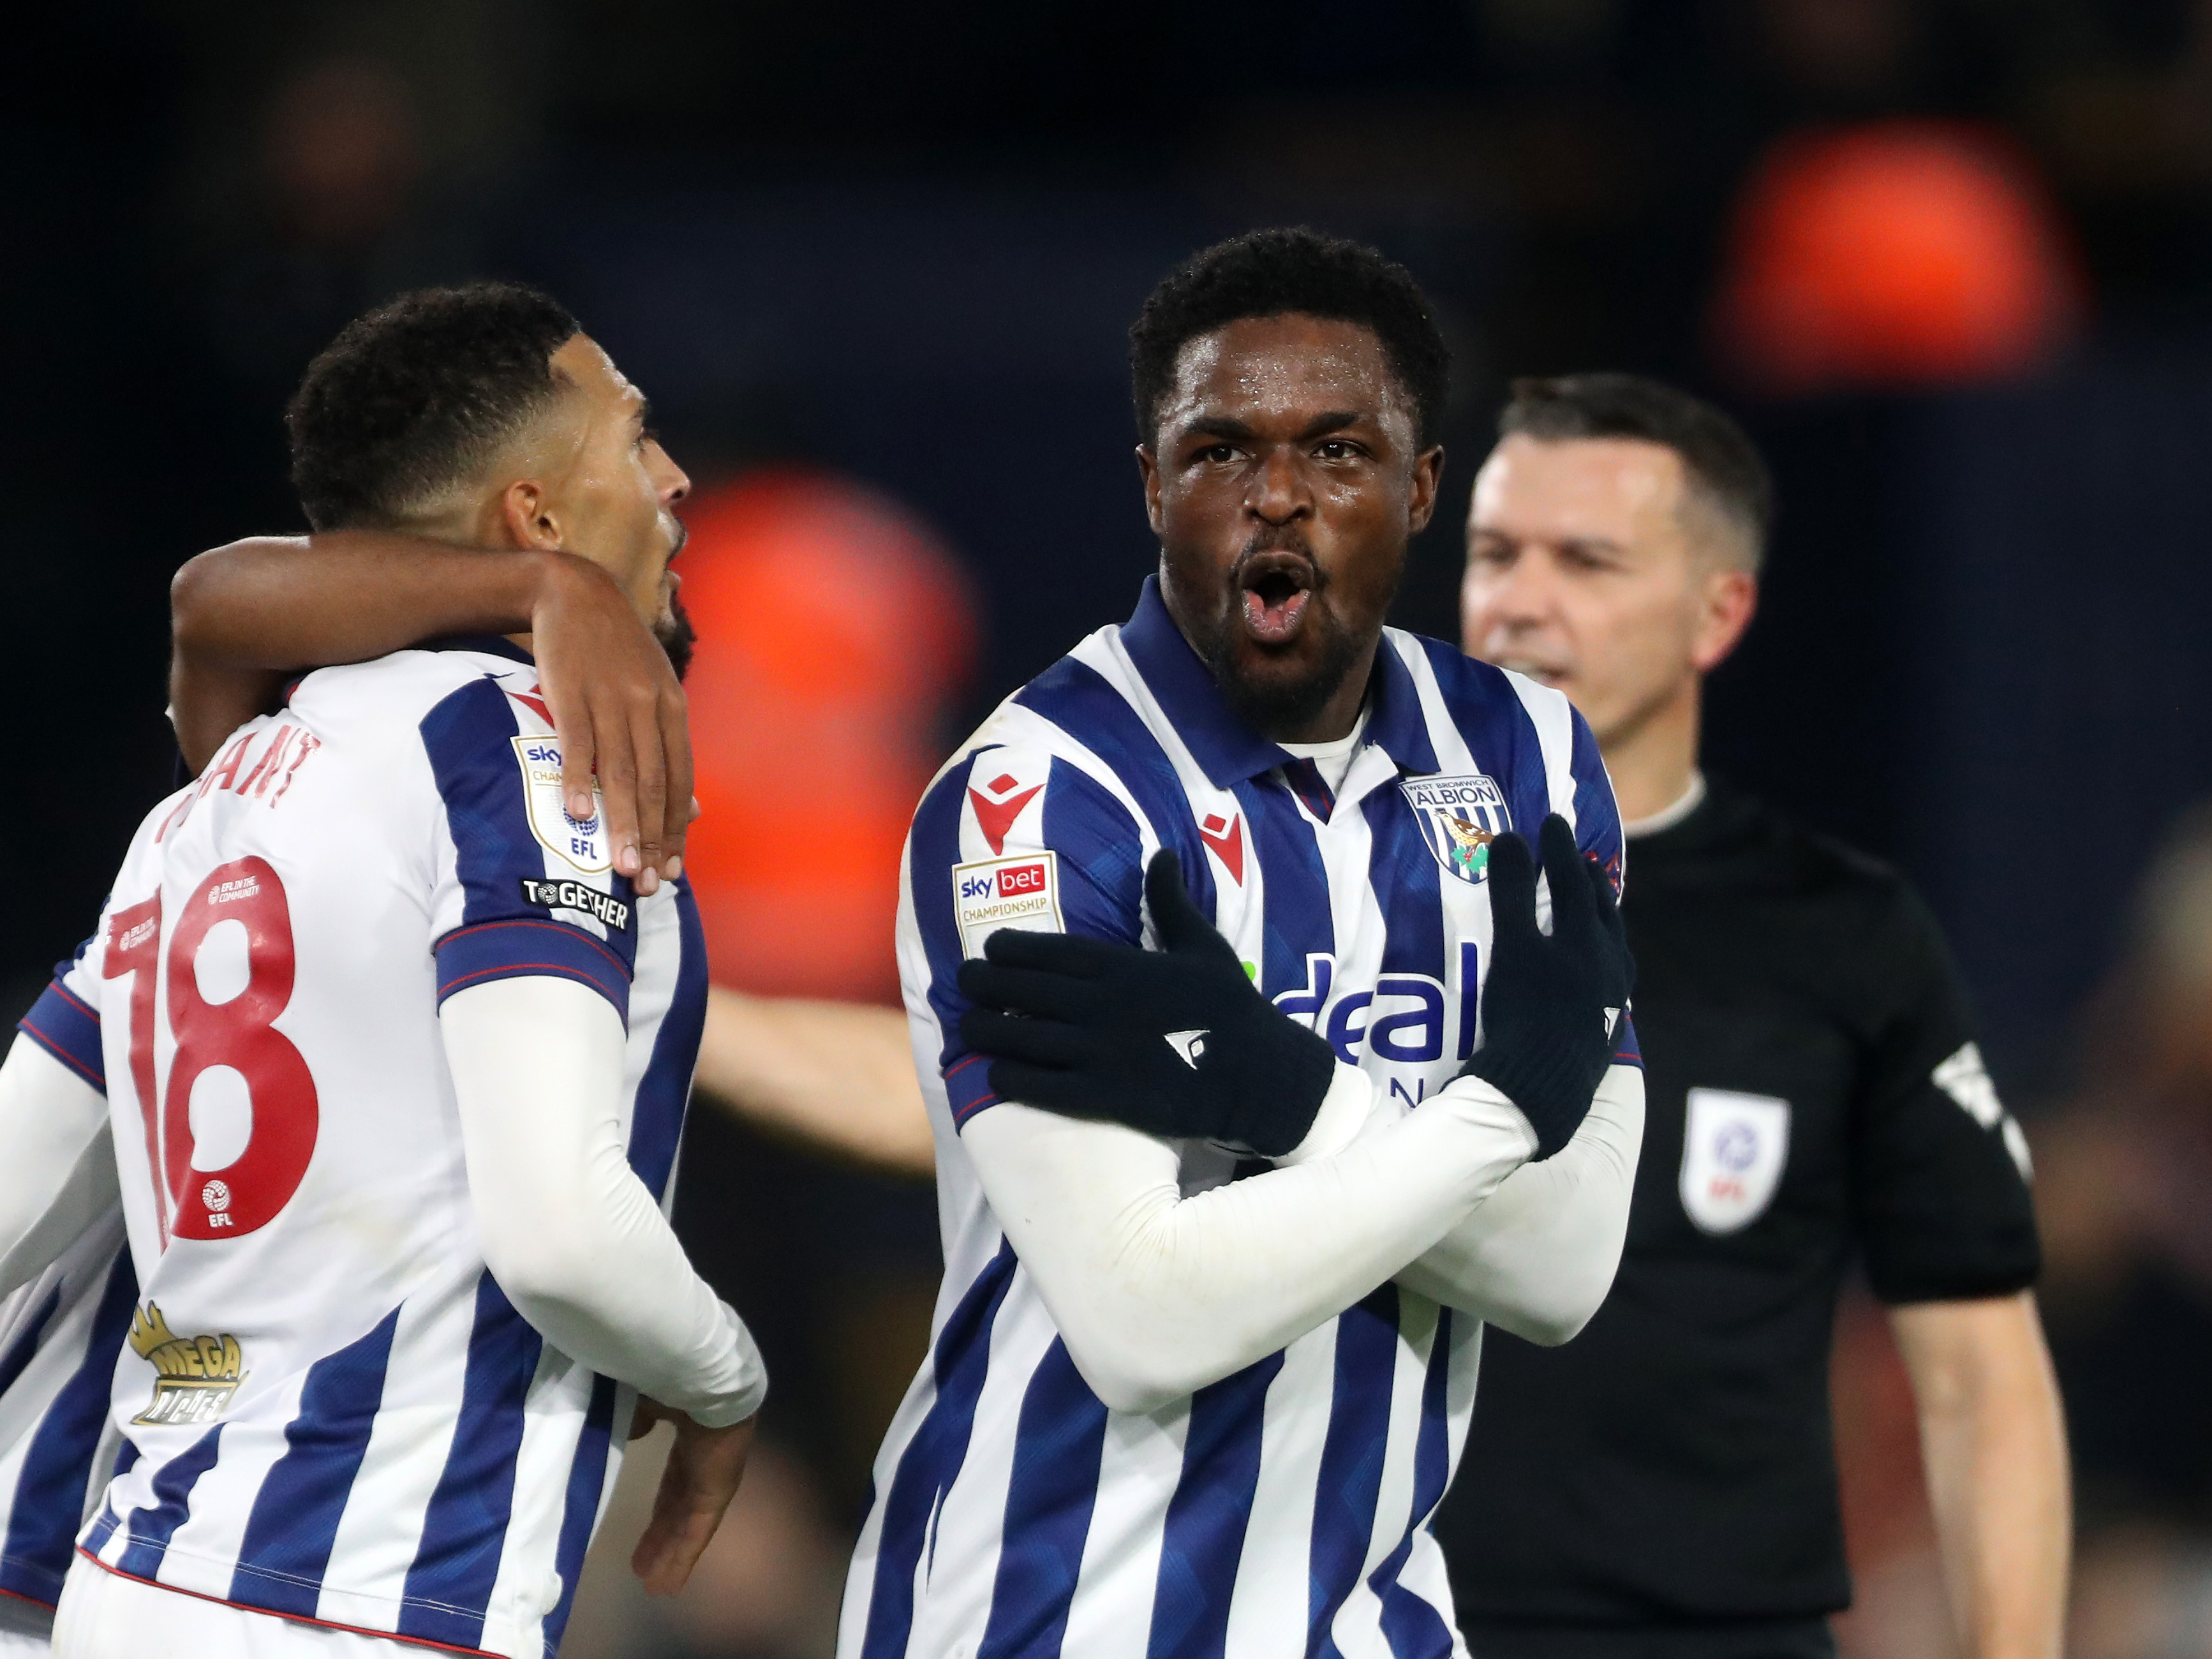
[(104, 1615)]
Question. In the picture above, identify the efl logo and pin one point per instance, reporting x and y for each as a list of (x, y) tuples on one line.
[(1022, 892)]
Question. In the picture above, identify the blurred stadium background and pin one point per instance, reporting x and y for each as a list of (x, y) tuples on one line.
[(1951, 260)]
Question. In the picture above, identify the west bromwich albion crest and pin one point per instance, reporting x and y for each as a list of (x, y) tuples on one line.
[(1459, 818)]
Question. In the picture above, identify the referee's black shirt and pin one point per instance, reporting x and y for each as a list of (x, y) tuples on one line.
[(1671, 1467)]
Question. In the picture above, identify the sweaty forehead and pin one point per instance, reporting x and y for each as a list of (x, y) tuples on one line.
[(1616, 489), (588, 368), (1264, 370)]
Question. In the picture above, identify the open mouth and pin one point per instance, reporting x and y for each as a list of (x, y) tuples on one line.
[(1274, 589)]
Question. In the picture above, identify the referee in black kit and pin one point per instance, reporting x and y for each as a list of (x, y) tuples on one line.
[(1665, 1485)]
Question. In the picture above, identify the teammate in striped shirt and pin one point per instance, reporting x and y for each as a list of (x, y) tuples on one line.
[(1182, 1400), (59, 1336), (400, 1288)]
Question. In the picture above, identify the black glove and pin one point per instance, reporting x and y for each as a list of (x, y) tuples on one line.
[(1176, 1041), (1550, 1005)]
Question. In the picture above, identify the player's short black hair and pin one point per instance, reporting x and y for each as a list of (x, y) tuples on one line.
[(416, 396), (1277, 273), (1717, 455)]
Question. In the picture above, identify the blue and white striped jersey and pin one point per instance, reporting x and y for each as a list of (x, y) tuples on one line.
[(59, 1337), (1283, 1510), (329, 1408)]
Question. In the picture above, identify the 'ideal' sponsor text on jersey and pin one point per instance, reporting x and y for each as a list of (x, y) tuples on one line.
[(1284, 1509), (329, 1408)]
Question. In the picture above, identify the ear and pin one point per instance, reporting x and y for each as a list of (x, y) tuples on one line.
[(1148, 469), (1428, 479), (526, 513), (1728, 599)]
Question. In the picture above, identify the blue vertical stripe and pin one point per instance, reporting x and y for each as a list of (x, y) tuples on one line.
[(1351, 1477), (931, 1460), (1396, 721), (1403, 875), (25, 1347), (1102, 878), (664, 1094), (1414, 1629), (1312, 790), (294, 1520), (1497, 732), (933, 850), (469, 737), (587, 1478), (1203, 1539), (1298, 923), (1080, 701), (150, 1528), (56, 1478), (1058, 1442), (464, 1529), (1597, 817)]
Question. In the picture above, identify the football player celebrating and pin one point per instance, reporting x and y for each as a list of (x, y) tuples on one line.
[(250, 617), (1197, 1384), (398, 1059)]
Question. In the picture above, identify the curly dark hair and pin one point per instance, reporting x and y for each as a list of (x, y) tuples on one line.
[(1717, 454), (1275, 273), (416, 397)]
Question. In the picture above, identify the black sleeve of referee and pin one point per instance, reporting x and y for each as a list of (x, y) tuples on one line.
[(1939, 1189)]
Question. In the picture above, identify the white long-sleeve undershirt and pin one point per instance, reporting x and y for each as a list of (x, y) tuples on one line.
[(1157, 1294), (58, 1162), (1538, 1256), (567, 1228)]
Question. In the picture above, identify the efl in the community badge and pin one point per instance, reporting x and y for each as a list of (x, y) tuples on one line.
[(1459, 818), (1733, 1148)]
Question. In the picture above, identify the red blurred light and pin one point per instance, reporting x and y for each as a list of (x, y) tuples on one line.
[(1900, 253)]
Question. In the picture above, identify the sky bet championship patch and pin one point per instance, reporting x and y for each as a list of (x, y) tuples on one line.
[(583, 843), (1020, 892), (577, 895)]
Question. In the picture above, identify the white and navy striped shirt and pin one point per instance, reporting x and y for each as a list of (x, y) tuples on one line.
[(329, 1408), (1283, 1510), (59, 1337)]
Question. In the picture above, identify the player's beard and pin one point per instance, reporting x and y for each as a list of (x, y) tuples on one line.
[(677, 636), (1279, 705)]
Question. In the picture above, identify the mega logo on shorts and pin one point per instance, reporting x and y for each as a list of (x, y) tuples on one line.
[(1011, 892)]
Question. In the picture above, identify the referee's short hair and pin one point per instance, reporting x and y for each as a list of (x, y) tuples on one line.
[(1719, 460)]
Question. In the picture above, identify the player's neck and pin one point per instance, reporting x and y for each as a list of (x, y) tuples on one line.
[(1652, 761)]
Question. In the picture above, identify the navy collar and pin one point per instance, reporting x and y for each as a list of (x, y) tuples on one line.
[(1225, 747), (492, 645)]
